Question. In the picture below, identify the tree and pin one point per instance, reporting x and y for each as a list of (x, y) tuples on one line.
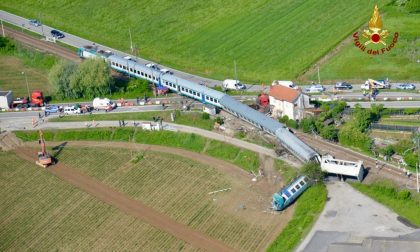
[(350, 135), (313, 171), (91, 79), (329, 132), (307, 124), (376, 111), (59, 77), (362, 118), (284, 119), (292, 124)]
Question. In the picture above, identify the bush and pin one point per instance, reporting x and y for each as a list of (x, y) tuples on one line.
[(284, 119), (292, 124), (205, 116), (329, 132), (404, 195), (313, 171), (307, 124), (387, 151), (349, 135)]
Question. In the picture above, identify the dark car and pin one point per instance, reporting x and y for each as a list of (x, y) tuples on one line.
[(343, 85), (34, 22), (57, 34)]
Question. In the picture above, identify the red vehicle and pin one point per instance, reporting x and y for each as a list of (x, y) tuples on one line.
[(37, 98)]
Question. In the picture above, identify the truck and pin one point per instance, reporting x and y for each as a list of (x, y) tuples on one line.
[(375, 84), (233, 84), (284, 83), (6, 98), (37, 98), (103, 104)]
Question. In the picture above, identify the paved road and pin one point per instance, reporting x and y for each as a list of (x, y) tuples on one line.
[(77, 42), (354, 216)]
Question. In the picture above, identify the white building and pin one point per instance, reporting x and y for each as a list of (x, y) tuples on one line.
[(6, 99), (288, 101)]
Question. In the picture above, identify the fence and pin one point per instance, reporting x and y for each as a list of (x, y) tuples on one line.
[(394, 127)]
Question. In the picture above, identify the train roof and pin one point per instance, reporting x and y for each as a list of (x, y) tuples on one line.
[(247, 112), (194, 86), (296, 146)]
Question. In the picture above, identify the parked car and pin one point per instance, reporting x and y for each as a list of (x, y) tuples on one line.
[(165, 71), (57, 34), (34, 22), (151, 65), (406, 86), (52, 109), (71, 110), (343, 85), (315, 88)]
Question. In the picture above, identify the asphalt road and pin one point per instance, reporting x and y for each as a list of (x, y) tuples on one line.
[(77, 42)]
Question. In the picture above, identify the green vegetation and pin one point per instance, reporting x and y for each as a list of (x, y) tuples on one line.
[(397, 64), (205, 37), (400, 201), (287, 172), (313, 171), (41, 212), (308, 208), (401, 121), (186, 118), (245, 159), (18, 63), (90, 79)]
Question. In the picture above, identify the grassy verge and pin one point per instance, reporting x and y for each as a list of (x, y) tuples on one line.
[(189, 118), (401, 122), (308, 207), (287, 172), (400, 201), (245, 159)]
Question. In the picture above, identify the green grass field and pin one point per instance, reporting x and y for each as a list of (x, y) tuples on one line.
[(269, 40), (187, 118), (40, 212), (402, 122), (388, 194), (243, 158), (11, 77), (398, 64)]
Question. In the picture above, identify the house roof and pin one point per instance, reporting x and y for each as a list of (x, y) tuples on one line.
[(283, 93)]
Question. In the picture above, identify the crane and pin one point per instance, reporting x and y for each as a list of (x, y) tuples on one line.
[(44, 159)]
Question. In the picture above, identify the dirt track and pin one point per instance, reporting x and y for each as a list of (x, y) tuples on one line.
[(42, 44), (126, 204)]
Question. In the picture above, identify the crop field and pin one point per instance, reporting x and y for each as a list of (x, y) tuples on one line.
[(398, 64), (268, 39), (40, 212), (179, 188)]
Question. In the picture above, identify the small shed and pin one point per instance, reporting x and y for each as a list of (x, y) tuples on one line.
[(6, 99), (209, 109)]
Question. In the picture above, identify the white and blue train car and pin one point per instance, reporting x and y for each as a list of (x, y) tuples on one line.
[(287, 195)]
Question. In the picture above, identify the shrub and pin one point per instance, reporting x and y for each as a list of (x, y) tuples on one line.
[(284, 119), (307, 124), (404, 195), (292, 124), (205, 116), (313, 171), (329, 132)]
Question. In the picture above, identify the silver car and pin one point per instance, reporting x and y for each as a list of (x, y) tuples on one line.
[(34, 22), (406, 86), (315, 88)]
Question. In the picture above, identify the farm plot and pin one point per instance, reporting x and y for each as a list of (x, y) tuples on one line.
[(179, 187), (42, 213)]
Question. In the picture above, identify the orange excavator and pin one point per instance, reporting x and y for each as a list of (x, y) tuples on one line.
[(44, 159)]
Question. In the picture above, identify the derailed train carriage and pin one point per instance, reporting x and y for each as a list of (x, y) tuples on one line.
[(221, 100)]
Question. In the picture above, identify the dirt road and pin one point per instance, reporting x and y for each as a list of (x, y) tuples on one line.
[(128, 205), (42, 44)]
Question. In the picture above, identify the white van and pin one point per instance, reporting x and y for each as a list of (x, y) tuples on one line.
[(104, 103), (289, 84), (71, 110), (233, 84)]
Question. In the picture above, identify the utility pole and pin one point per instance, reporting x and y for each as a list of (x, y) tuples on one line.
[(236, 74), (2, 28), (319, 78), (131, 41), (27, 85)]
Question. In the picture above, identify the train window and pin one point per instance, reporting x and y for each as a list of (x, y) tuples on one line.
[(298, 187), (293, 190), (217, 101), (182, 89), (194, 93), (125, 68), (301, 183), (211, 99), (112, 63), (305, 179), (131, 69)]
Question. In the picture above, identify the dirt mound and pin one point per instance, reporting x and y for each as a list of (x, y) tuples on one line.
[(8, 141)]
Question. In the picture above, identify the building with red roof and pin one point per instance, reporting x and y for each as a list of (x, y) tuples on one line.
[(288, 101)]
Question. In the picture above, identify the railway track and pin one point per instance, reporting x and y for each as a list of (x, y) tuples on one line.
[(384, 170), (42, 45)]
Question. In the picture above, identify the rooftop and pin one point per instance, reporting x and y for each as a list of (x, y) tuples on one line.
[(283, 93)]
